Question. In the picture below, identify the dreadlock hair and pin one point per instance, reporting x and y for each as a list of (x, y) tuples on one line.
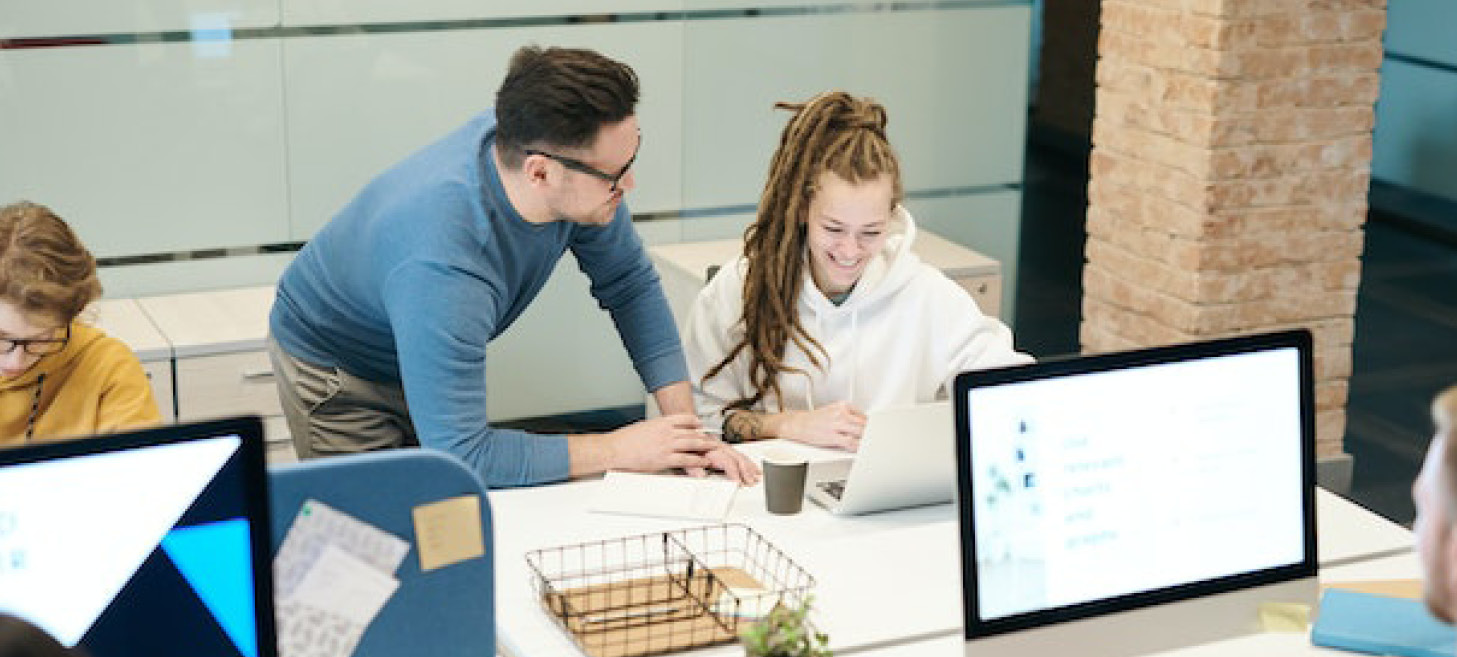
[(833, 132)]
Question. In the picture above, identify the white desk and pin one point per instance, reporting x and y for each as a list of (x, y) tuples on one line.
[(218, 339), (1272, 644), (882, 580), (1406, 565), (215, 322), (1268, 644), (1348, 533)]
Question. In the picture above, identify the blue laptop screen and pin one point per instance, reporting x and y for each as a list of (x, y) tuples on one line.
[(136, 545)]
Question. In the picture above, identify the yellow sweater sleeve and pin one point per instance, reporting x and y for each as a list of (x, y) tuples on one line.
[(126, 400)]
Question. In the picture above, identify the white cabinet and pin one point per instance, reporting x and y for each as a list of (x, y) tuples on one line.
[(979, 274), (218, 342), (124, 320)]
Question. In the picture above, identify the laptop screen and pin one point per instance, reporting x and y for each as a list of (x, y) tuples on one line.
[(147, 543), (1112, 482)]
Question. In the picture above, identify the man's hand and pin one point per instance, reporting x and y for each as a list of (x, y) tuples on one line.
[(837, 425), (734, 465), (670, 441)]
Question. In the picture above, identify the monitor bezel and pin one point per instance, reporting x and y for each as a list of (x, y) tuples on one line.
[(251, 451), (975, 627)]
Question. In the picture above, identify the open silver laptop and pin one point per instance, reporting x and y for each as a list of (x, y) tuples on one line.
[(907, 458)]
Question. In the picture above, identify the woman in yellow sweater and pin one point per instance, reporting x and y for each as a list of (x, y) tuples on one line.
[(59, 378)]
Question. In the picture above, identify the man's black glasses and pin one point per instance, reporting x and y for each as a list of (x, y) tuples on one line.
[(583, 167), (36, 346)]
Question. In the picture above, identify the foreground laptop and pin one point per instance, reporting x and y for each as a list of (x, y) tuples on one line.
[(143, 544), (905, 459), (1128, 503)]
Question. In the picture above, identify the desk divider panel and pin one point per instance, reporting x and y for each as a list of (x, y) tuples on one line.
[(441, 613)]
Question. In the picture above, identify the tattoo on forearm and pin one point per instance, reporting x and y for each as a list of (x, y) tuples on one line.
[(743, 426)]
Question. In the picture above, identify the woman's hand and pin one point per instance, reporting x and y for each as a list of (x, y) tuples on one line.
[(838, 425)]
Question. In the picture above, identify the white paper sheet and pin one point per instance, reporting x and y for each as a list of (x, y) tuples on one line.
[(668, 496), (332, 605), (319, 525)]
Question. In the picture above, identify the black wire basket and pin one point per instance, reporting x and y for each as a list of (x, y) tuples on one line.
[(663, 592)]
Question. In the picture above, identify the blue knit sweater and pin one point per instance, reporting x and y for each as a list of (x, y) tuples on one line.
[(429, 263)]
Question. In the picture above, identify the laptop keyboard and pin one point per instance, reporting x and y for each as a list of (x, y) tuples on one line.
[(834, 487)]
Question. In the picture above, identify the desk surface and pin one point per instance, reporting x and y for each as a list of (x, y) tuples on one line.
[(1268, 644), (883, 579), (216, 322), (1273, 644), (124, 320)]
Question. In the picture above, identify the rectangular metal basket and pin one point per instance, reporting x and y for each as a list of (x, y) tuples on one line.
[(666, 591)]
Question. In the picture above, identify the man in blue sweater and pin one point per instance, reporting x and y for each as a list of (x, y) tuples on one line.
[(379, 330)]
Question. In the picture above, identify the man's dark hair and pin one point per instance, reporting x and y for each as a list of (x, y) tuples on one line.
[(559, 97)]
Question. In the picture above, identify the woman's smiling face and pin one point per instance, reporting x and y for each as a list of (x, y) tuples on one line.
[(846, 227)]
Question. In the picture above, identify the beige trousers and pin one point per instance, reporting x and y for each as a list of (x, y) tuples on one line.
[(331, 411)]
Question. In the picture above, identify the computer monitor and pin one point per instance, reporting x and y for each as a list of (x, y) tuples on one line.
[(1122, 504), (149, 543)]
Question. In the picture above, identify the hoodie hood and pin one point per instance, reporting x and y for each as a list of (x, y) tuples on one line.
[(887, 272), (82, 336)]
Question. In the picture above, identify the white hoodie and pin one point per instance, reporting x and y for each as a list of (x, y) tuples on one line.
[(900, 338)]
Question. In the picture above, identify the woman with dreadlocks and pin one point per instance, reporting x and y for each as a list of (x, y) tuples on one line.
[(59, 377), (828, 313)]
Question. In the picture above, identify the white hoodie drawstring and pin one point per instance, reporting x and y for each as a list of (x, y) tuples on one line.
[(854, 353), (809, 382)]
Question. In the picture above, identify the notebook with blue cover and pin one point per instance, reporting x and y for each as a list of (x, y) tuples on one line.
[(1352, 620)]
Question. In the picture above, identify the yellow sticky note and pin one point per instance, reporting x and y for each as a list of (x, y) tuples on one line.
[(1284, 617), (449, 531)]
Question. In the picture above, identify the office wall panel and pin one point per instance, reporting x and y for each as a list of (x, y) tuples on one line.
[(358, 103), (540, 366), (718, 227), (325, 12), (1415, 143), (1423, 28), (953, 81), (52, 18), (989, 223), (561, 355), (347, 12), (153, 279), (148, 148)]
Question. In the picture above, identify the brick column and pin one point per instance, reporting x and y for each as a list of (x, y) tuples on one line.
[(1230, 165)]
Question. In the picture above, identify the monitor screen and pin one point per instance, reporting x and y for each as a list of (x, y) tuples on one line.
[(141, 544), (1112, 482)]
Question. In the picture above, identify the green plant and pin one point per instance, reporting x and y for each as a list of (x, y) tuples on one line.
[(785, 632)]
